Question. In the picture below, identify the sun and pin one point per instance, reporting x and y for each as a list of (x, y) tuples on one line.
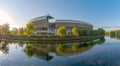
[(4, 18)]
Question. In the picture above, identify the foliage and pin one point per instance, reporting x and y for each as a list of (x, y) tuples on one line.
[(17, 31), (61, 31), (20, 31), (4, 29), (29, 28), (86, 32), (101, 31), (82, 32), (75, 32)]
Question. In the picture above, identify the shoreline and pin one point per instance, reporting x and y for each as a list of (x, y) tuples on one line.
[(49, 39)]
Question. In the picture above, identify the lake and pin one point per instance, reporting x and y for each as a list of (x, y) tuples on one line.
[(104, 52)]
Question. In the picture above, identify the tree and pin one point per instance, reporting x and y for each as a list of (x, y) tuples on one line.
[(17, 31), (4, 29), (82, 32), (14, 31), (75, 32), (101, 31), (29, 28), (61, 31), (20, 31)]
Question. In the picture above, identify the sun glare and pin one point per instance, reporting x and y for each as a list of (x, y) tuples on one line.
[(4, 18)]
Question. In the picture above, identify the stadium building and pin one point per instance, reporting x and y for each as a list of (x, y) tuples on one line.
[(43, 26)]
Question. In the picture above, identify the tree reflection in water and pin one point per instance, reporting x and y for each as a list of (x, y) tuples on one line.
[(115, 36), (28, 50), (61, 48), (43, 50), (75, 46), (4, 47)]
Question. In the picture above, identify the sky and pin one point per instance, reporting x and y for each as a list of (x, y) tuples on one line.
[(100, 13)]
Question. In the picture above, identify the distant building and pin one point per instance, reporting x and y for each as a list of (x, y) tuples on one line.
[(43, 26)]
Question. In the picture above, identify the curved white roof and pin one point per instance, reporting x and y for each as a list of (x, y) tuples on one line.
[(71, 21)]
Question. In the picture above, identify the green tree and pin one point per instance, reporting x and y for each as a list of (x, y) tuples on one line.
[(29, 28), (82, 32), (4, 29), (14, 31), (101, 31), (75, 32), (61, 31), (94, 32), (20, 31)]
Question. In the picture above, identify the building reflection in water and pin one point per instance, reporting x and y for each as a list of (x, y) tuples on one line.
[(44, 50)]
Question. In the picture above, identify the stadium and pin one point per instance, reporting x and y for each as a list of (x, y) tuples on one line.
[(42, 25)]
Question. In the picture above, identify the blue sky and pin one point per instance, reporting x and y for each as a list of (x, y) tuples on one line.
[(97, 12)]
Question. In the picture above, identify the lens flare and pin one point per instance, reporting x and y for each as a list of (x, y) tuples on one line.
[(4, 18)]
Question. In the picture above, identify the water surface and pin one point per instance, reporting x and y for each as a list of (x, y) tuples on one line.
[(95, 53)]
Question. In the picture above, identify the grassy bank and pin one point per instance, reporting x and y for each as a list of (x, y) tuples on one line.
[(50, 38)]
